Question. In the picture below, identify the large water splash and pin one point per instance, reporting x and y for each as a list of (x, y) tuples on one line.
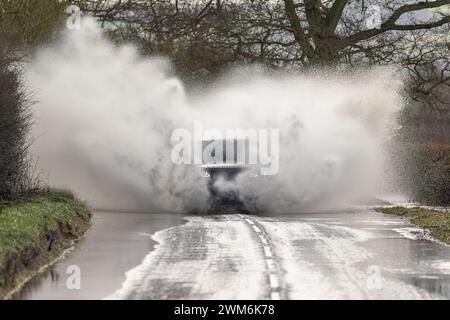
[(105, 116)]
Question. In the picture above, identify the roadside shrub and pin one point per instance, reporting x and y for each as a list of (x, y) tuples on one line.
[(425, 170), (15, 122)]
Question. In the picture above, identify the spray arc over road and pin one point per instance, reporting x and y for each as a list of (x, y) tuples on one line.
[(105, 116)]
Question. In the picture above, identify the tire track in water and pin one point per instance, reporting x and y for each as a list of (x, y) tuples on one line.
[(273, 269)]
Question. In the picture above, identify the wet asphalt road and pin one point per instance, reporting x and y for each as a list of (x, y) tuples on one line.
[(357, 254)]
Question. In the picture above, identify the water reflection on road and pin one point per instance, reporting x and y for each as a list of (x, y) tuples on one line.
[(352, 254), (116, 243)]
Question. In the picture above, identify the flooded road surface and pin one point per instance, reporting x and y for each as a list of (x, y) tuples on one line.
[(347, 255), (116, 243), (357, 254)]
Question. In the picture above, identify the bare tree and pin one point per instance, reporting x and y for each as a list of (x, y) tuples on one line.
[(279, 33), (15, 121), (24, 24)]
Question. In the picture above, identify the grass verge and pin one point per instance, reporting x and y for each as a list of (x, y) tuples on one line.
[(437, 222), (36, 231)]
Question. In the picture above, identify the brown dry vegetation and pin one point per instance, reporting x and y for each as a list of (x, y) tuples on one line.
[(424, 168)]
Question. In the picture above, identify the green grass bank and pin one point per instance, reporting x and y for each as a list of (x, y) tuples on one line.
[(437, 222), (35, 231)]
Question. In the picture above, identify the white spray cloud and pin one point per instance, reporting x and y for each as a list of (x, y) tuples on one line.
[(105, 116)]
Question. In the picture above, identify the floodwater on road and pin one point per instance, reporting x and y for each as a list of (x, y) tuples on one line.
[(356, 254), (116, 243)]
